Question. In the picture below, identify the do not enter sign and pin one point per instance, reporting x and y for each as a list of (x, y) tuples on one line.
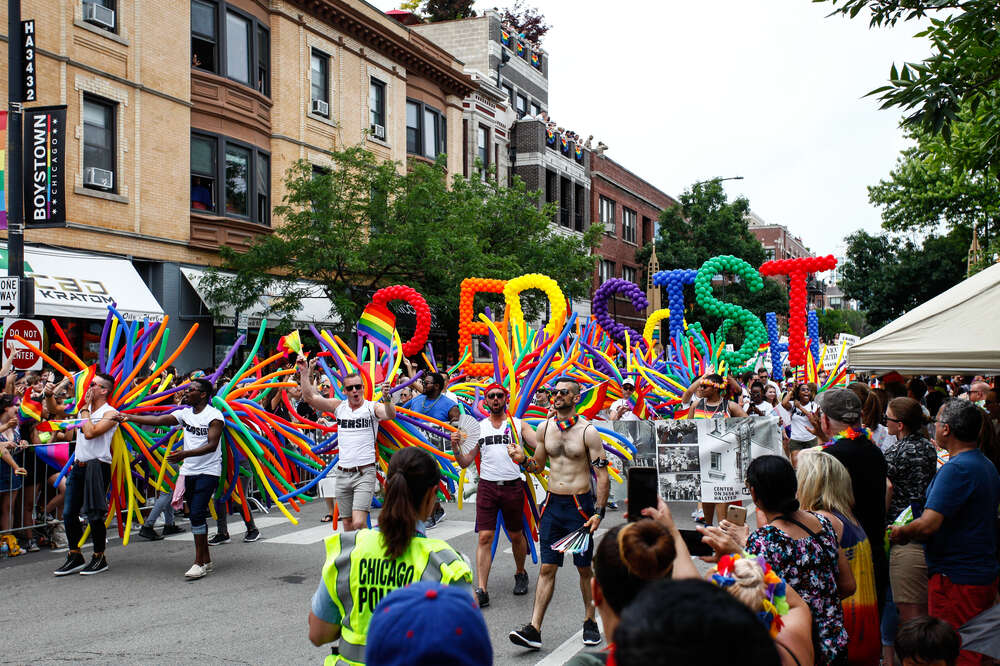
[(30, 330)]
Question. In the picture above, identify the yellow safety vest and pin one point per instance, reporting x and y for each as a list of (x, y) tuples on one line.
[(358, 574)]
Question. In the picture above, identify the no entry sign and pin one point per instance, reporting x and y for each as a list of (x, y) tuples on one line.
[(30, 330)]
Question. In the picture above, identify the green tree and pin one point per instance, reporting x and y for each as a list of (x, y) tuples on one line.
[(958, 81), (832, 322), (528, 21), (448, 10), (889, 274), (705, 225), (364, 225)]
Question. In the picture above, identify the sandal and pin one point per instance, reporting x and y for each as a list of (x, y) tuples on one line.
[(328, 518)]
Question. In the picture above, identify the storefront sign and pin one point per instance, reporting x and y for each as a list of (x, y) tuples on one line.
[(22, 357), (44, 167)]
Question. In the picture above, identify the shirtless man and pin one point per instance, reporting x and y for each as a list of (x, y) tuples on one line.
[(571, 446)]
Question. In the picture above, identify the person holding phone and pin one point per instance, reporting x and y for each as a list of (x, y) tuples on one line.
[(500, 490), (571, 446)]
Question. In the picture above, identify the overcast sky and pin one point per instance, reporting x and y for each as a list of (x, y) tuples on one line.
[(770, 90)]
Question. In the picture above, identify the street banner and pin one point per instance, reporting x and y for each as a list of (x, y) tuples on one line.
[(3, 174), (44, 162), (706, 460)]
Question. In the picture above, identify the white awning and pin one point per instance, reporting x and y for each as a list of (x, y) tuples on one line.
[(315, 309), (72, 284), (953, 332)]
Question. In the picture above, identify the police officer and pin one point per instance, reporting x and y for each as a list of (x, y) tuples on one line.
[(363, 566)]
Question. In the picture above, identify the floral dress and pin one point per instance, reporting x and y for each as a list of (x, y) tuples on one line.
[(809, 565)]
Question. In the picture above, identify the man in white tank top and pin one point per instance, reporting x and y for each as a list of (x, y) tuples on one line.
[(500, 490)]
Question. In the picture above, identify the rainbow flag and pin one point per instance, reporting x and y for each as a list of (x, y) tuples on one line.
[(3, 161), (81, 382), (30, 409), (592, 400), (377, 323), (58, 426), (290, 344)]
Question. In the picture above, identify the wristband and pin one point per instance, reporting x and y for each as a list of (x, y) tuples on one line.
[(601, 512)]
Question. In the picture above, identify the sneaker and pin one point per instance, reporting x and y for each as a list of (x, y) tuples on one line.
[(147, 532), (430, 523), (196, 571), (251, 535), (172, 529), (74, 562), (527, 636), (591, 633), (612, 506), (482, 597), (439, 515), (521, 583), (209, 566), (32, 546), (58, 537), (218, 539), (98, 564)]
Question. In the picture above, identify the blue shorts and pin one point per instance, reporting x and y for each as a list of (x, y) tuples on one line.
[(198, 490), (562, 515)]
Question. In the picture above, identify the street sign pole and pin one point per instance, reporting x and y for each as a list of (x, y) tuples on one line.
[(15, 193)]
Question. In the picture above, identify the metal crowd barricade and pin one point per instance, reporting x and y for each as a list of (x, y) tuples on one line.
[(32, 511)]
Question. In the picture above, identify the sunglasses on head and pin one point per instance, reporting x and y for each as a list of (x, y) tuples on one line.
[(353, 387)]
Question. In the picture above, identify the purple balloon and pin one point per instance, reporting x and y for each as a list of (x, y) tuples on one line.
[(600, 307)]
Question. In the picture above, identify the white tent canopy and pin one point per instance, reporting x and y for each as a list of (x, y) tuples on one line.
[(954, 332)]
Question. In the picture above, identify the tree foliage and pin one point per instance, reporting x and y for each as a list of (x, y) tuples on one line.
[(528, 21), (365, 224), (706, 225), (889, 274), (958, 80), (448, 10)]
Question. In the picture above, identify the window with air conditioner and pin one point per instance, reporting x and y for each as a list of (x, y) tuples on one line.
[(376, 108), (606, 214), (319, 75), (99, 143), (100, 13)]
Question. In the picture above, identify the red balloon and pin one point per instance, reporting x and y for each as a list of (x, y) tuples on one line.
[(401, 292)]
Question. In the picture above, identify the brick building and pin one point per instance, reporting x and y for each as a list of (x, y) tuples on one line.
[(628, 208), (779, 243), (184, 117)]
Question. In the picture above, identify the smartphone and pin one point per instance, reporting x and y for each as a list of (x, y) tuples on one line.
[(642, 491), (694, 543), (736, 515)]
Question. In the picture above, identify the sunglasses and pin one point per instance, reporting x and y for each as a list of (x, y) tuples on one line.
[(496, 396), (562, 392), (542, 392), (353, 387)]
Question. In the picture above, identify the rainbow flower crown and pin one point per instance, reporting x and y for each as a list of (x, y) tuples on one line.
[(775, 602)]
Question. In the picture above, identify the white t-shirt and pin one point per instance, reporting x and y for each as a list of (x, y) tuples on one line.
[(356, 431), (98, 448), (195, 427), (628, 414), (495, 462), (800, 422)]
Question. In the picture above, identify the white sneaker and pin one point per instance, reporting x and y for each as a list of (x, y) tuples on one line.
[(209, 567), (196, 571)]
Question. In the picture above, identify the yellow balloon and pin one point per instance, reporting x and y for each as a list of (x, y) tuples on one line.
[(512, 295), (652, 322)]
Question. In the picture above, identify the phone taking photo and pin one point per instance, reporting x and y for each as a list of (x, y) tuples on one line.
[(696, 547), (642, 491), (737, 515)]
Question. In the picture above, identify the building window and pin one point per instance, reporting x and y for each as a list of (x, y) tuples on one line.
[(628, 225), (606, 270), (768, 253), (716, 461), (203, 173), (319, 75), (522, 106), (628, 273), (535, 110), (606, 214), (245, 44), (204, 35), (510, 93), (483, 149), (426, 133), (376, 106), (99, 143), (243, 172), (102, 15)]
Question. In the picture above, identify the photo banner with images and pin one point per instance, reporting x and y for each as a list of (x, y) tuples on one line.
[(706, 460)]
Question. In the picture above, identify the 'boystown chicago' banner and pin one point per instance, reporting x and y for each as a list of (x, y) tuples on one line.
[(44, 166)]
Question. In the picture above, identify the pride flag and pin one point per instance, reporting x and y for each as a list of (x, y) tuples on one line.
[(3, 161), (290, 344), (377, 323), (30, 409), (81, 382), (592, 400)]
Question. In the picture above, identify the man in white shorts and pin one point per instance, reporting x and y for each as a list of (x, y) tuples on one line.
[(357, 428)]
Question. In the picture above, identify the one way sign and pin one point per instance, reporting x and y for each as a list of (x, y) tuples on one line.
[(10, 293)]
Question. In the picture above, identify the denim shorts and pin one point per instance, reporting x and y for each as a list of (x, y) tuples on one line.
[(198, 491)]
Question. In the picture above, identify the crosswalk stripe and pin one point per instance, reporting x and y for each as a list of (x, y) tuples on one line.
[(237, 526), (568, 649), (303, 537)]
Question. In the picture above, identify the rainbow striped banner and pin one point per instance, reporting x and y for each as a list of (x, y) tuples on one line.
[(3, 162), (377, 323)]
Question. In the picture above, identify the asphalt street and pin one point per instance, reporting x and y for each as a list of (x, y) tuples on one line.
[(251, 610)]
